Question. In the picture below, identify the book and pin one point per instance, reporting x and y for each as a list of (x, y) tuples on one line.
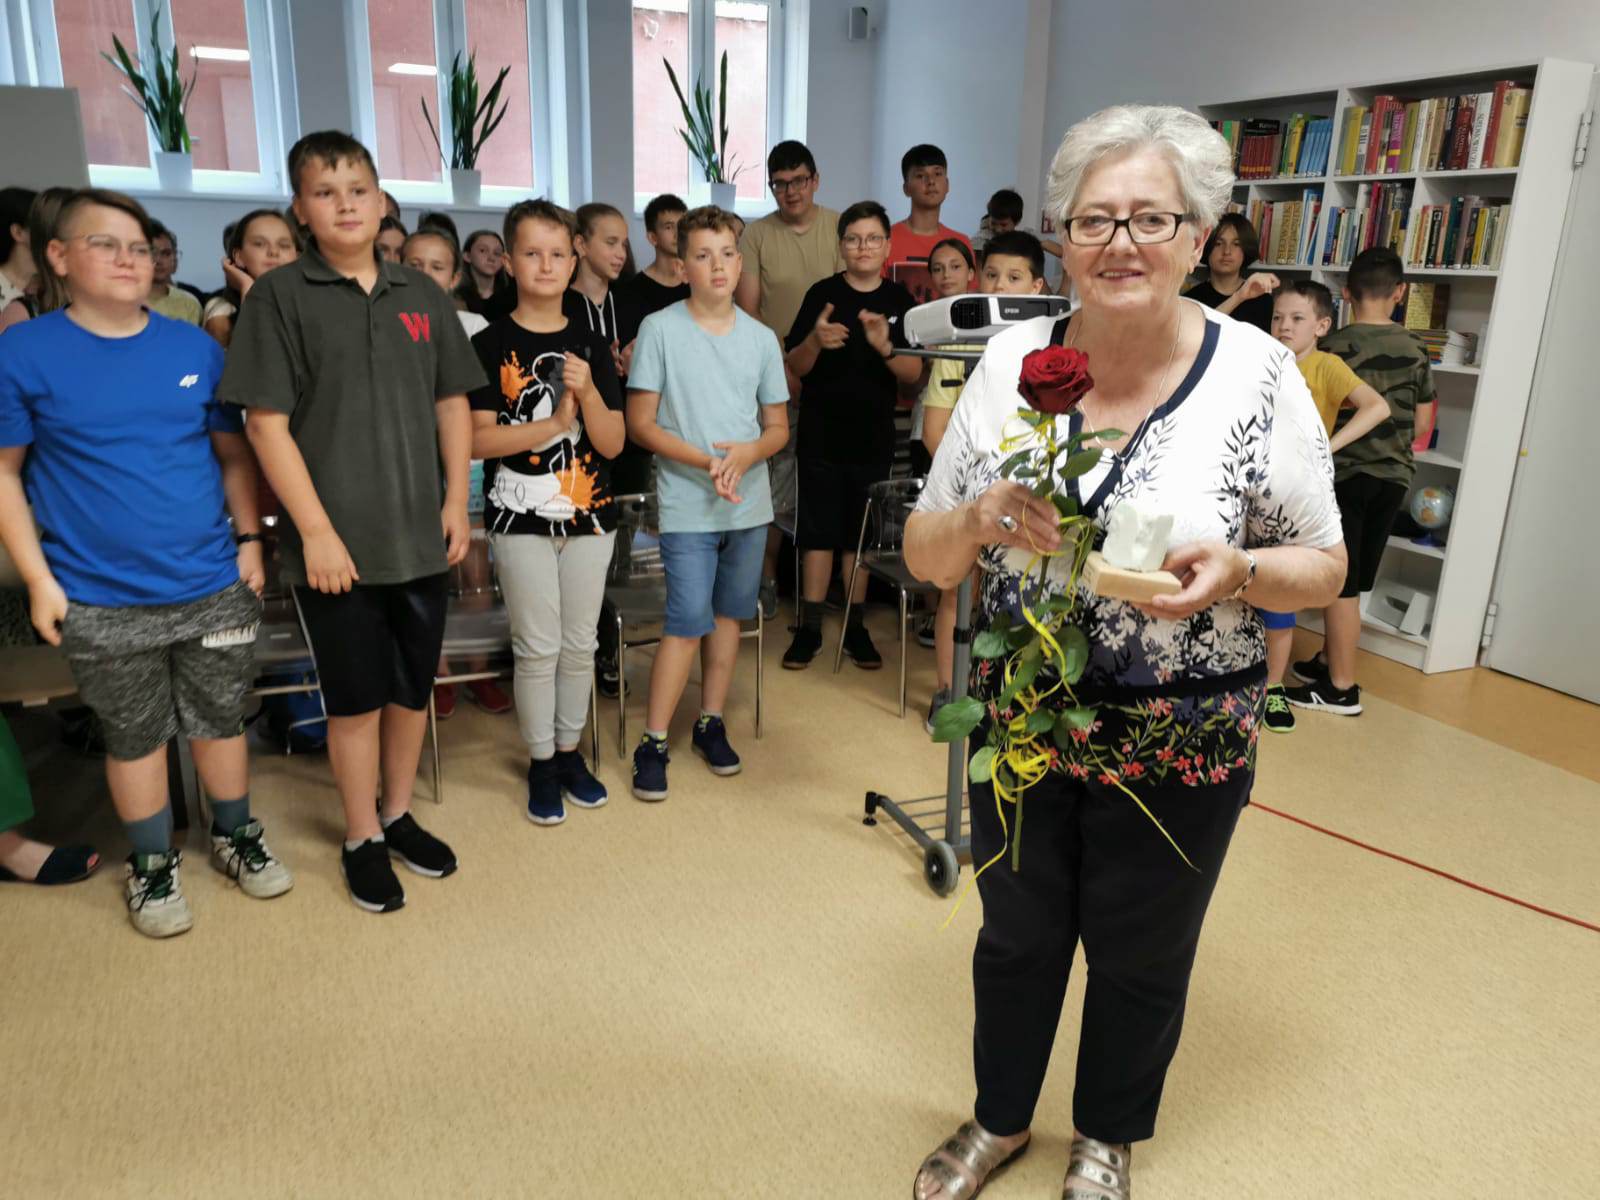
[(1426, 305), (1350, 146), (1513, 127), (1480, 124)]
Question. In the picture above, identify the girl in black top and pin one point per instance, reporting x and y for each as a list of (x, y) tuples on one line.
[(486, 288), (1231, 248)]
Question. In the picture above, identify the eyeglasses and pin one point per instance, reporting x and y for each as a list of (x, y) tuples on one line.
[(796, 184), (1144, 229), (108, 249), (872, 241), (168, 252)]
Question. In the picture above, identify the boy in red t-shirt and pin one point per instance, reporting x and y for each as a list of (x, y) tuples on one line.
[(925, 176)]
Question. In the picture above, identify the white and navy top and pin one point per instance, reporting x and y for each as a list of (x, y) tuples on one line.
[(1237, 454)]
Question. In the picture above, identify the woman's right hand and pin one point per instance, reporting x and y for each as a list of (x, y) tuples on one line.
[(236, 277), (48, 608), (1035, 520), (329, 567)]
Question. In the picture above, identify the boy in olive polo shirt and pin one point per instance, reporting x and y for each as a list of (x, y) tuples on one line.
[(355, 373)]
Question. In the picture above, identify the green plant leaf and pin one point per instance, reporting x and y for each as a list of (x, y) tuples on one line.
[(1105, 435), (957, 719), (1040, 720), (991, 643), (981, 768), (1019, 636), (1028, 666), (1070, 720), (1065, 504), (1075, 648), (1079, 463)]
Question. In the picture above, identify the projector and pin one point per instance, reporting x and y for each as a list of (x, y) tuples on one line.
[(975, 318)]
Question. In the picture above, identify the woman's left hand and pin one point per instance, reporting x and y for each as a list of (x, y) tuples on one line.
[(1209, 572)]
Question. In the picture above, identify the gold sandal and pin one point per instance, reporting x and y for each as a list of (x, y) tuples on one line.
[(975, 1148), (1103, 1166)]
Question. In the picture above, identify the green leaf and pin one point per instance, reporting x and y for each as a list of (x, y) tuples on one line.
[(1016, 460), (1079, 463), (1065, 504), (1078, 718), (957, 719), (1020, 636), (981, 768), (991, 643), (1040, 720), (1075, 647), (1028, 666), (1105, 435), (1025, 471)]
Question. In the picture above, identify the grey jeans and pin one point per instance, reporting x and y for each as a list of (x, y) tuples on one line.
[(553, 588)]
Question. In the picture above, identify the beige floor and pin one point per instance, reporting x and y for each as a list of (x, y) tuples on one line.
[(745, 993)]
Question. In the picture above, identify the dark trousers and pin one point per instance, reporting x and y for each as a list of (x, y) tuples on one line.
[(1093, 868)]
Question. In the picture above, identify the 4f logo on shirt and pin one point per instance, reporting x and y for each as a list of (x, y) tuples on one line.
[(416, 325), (188, 381)]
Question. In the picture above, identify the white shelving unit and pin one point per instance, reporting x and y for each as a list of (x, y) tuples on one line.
[(1481, 407)]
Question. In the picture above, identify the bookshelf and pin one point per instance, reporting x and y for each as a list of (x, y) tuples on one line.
[(1481, 406)]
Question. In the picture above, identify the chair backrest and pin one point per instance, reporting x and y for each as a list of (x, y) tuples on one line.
[(638, 546), (889, 503)]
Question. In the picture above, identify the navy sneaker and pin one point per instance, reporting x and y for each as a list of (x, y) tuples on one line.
[(650, 760), (544, 792), (577, 784), (711, 744)]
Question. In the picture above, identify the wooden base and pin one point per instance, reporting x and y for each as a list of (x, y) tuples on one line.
[(1117, 584)]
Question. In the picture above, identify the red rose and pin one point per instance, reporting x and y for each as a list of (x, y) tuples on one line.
[(1054, 379)]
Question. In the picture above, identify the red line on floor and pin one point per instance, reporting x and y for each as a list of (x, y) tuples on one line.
[(1411, 862)]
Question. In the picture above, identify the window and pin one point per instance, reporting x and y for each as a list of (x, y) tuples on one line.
[(237, 109), (692, 35), (406, 58)]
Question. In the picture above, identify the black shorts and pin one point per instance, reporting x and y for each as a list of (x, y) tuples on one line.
[(921, 460), (833, 497), (376, 644), (1367, 509)]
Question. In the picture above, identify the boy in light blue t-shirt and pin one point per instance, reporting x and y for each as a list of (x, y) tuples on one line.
[(707, 397)]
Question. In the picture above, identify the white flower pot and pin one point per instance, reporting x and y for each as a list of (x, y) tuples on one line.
[(466, 187), (175, 170), (723, 195)]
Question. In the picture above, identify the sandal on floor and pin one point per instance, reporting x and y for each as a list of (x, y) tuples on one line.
[(1104, 1167), (66, 864), (974, 1148)]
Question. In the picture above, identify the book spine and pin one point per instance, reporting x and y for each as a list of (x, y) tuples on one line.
[(1408, 137), (1491, 132), (1480, 126), (1391, 154), (1359, 166), (1461, 136), (1522, 99), (1446, 133)]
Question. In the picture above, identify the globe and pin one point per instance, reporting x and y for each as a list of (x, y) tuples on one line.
[(1430, 507)]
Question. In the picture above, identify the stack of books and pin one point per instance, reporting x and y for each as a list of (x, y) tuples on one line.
[(1265, 148), (1440, 133), (1287, 228), (1378, 218), (1469, 233), (1449, 347)]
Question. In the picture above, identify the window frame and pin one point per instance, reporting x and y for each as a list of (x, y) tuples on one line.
[(271, 87), (788, 37), (547, 92)]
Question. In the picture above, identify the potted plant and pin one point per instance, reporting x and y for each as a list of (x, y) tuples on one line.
[(164, 100), (471, 122), (708, 141)]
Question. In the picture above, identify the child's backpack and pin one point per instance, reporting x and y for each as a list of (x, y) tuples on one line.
[(295, 721)]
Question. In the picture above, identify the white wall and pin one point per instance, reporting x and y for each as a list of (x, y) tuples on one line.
[(1207, 51), (840, 104)]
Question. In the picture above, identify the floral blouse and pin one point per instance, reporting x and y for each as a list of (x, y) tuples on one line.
[(1237, 454)]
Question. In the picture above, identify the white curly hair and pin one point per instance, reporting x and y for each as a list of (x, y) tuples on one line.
[(1199, 155)]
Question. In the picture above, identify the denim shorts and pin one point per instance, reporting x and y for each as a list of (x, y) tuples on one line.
[(1276, 620), (711, 575)]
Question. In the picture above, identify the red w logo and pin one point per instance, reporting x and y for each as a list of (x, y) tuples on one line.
[(416, 325)]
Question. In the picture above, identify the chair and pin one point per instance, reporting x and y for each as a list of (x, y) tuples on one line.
[(636, 587), (30, 675), (879, 552)]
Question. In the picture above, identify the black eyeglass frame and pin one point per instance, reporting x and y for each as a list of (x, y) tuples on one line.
[(1126, 223)]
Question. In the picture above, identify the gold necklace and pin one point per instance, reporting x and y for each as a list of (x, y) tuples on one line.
[(1161, 384)]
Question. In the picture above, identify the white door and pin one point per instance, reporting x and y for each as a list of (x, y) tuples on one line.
[(1547, 587)]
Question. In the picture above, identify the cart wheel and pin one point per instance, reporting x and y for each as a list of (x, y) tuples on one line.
[(941, 868)]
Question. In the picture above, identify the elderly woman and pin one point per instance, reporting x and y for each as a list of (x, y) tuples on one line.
[(1222, 434)]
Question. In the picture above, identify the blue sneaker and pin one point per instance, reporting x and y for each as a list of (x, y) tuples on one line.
[(650, 760), (577, 784), (711, 744), (544, 793)]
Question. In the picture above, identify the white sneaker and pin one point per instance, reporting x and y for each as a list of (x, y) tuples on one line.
[(243, 856), (155, 900)]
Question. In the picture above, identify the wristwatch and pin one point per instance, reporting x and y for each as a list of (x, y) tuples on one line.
[(1249, 578), (240, 539)]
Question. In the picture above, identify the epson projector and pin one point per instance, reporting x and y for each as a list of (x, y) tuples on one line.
[(975, 318)]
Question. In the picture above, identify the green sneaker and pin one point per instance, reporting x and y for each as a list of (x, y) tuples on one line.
[(155, 900), (1279, 715)]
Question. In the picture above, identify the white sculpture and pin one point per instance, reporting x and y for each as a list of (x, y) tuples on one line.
[(1137, 536)]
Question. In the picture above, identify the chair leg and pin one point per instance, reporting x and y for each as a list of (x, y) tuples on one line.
[(594, 718), (850, 588), (622, 691), (761, 643), (433, 734), (905, 621)]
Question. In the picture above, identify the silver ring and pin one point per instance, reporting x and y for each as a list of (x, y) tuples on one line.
[(1007, 522)]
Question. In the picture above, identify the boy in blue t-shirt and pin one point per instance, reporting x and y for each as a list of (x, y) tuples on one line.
[(109, 428), (707, 397)]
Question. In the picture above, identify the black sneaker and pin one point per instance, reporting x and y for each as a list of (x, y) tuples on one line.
[(607, 678), (419, 849), (544, 793), (1311, 669), (370, 878), (859, 649), (1323, 696), (925, 633), (711, 744), (650, 760), (806, 644), (1279, 717), (578, 784)]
